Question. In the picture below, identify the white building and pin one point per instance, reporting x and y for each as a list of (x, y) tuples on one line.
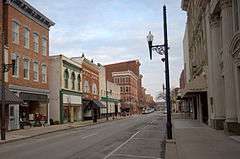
[(65, 83)]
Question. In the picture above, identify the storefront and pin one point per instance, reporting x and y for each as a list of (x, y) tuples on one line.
[(35, 109), (72, 108)]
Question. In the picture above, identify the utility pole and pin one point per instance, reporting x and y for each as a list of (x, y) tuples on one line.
[(3, 126)]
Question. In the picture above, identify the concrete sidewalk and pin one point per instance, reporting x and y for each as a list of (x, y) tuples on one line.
[(21, 134), (198, 141)]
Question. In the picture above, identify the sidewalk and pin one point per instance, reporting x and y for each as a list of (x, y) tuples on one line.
[(21, 134), (198, 141)]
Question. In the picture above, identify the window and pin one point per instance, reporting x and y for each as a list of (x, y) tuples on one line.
[(15, 67), (66, 76), (44, 46), (86, 87), (26, 69), (15, 32), (79, 82), (26, 38), (126, 89), (73, 80), (94, 89), (35, 42), (44, 73), (35, 71)]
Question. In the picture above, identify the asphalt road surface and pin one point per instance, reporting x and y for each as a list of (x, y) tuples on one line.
[(138, 137)]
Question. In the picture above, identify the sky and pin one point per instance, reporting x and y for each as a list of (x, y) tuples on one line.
[(110, 31)]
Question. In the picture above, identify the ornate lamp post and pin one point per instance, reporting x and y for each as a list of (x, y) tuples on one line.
[(163, 50)]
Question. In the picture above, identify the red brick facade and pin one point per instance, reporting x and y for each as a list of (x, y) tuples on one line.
[(24, 21), (126, 74)]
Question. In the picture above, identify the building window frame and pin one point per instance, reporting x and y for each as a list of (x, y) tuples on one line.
[(44, 46), (79, 82), (15, 32), (44, 73), (15, 67), (73, 78), (26, 68), (35, 71), (86, 86), (66, 77), (94, 89), (35, 42), (26, 38)]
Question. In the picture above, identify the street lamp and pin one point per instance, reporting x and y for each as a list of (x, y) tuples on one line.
[(163, 50)]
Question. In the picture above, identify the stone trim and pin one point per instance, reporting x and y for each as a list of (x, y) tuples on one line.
[(225, 4)]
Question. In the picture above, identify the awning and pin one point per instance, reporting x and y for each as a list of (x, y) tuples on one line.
[(95, 104), (197, 85), (10, 97)]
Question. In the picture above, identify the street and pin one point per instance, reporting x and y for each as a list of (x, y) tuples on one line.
[(134, 137)]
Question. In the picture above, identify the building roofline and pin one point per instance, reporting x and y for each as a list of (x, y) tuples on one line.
[(137, 60), (28, 10)]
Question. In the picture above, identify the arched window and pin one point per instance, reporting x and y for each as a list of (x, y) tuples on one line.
[(86, 87), (66, 76), (79, 82), (94, 89), (73, 77)]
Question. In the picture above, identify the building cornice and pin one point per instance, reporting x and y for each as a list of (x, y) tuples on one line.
[(29, 11)]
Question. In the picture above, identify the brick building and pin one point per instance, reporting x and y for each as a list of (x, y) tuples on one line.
[(91, 103), (126, 74), (26, 34)]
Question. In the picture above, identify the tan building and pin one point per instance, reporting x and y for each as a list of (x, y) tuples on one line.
[(213, 36), (65, 83)]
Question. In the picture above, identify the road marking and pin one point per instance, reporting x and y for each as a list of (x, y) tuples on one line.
[(136, 156), (121, 145), (84, 137)]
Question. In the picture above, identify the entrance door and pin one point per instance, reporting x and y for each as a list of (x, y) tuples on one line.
[(204, 102), (195, 105), (13, 118)]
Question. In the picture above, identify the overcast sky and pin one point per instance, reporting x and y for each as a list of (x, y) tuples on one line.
[(115, 30)]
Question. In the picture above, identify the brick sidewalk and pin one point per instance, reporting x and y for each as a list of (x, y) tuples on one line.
[(198, 141), (21, 134)]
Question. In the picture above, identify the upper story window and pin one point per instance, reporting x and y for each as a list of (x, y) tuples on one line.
[(26, 38), (73, 78), (35, 42), (66, 77), (26, 65), (15, 63), (35, 71), (79, 82), (15, 32), (44, 46), (85, 86), (44, 73), (94, 89)]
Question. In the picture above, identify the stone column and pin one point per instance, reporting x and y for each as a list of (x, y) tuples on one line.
[(218, 117), (230, 95)]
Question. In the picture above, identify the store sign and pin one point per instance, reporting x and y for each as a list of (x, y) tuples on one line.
[(33, 97), (72, 99)]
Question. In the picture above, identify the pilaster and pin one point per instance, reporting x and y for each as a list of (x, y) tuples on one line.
[(231, 125), (218, 118)]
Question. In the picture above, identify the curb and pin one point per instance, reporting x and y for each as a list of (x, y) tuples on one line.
[(59, 130)]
